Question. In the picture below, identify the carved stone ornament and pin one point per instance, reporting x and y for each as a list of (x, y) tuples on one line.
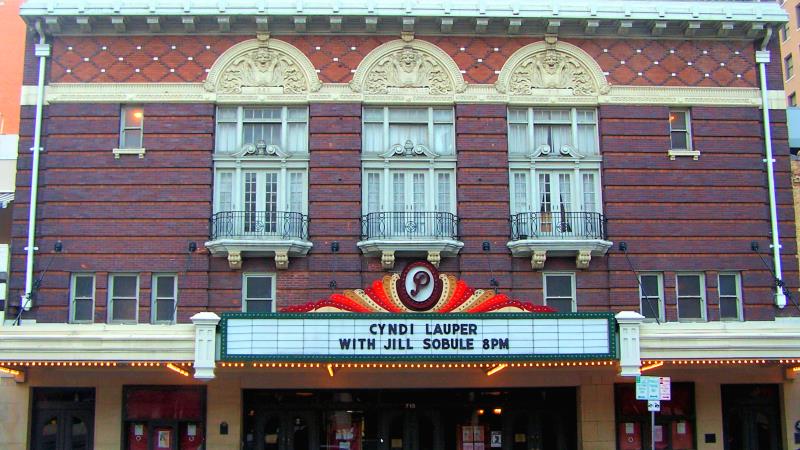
[(414, 64), (261, 64), (551, 65), (260, 148), (566, 150), (409, 149)]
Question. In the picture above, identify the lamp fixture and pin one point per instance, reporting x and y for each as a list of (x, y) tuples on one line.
[(496, 369), (192, 247), (623, 247), (58, 247)]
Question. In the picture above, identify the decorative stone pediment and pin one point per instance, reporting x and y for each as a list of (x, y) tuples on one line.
[(261, 149), (262, 65), (551, 65), (413, 65), (409, 150), (566, 150)]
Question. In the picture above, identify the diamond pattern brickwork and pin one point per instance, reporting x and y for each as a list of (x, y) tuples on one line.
[(170, 59)]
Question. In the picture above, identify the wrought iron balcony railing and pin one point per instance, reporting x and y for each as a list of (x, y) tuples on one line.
[(259, 225), (558, 225), (409, 225)]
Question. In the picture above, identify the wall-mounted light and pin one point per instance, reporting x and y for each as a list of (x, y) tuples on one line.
[(486, 246), (192, 247), (496, 369), (623, 247), (335, 247), (58, 247)]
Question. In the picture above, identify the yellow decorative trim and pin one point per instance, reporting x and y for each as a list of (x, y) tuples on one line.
[(341, 93)]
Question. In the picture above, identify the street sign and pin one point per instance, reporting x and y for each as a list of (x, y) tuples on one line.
[(653, 405), (664, 391), (653, 388)]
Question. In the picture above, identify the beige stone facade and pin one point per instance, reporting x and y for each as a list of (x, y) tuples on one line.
[(790, 51)]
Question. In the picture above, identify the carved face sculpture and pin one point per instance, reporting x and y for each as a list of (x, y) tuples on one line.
[(551, 61), (263, 58), (408, 60)]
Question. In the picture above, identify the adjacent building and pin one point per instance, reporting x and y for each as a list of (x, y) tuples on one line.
[(401, 227)]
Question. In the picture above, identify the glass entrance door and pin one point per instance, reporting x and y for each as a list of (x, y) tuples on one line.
[(63, 419), (282, 430), (751, 417)]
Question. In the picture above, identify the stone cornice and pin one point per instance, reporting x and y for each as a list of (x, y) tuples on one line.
[(341, 93)]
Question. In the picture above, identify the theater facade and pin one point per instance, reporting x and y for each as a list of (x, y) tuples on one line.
[(471, 226)]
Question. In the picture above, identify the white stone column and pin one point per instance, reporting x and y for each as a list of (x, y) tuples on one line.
[(629, 354), (205, 330)]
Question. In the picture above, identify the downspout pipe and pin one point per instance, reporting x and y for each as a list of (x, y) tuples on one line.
[(42, 50), (763, 58)]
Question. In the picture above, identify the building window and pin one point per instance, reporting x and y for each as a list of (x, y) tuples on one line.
[(259, 293), (408, 159), (260, 170), (651, 296), (82, 298), (559, 291), (123, 298), (281, 126), (386, 127), (164, 298), (785, 31), (797, 16), (792, 99), (555, 173), (131, 127), (691, 297), (788, 66), (679, 129), (529, 129), (730, 296)]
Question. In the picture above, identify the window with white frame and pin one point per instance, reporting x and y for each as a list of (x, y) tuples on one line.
[(531, 128), (131, 127), (385, 127), (680, 129), (691, 292), (258, 293), (651, 296), (164, 298), (261, 169), (123, 298), (282, 126), (82, 298), (408, 159), (730, 296), (559, 291), (555, 162)]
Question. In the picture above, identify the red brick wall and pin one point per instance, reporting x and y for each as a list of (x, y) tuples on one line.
[(687, 215), (116, 215), (138, 215), (639, 62)]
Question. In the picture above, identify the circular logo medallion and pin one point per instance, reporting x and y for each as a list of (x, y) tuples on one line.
[(419, 286)]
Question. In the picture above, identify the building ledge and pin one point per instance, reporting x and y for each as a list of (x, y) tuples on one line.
[(280, 249), (388, 249), (128, 151), (539, 249), (97, 342), (725, 340)]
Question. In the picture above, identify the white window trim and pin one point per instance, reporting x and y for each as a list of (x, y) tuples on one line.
[(690, 151), (574, 288), (576, 187), (274, 277), (660, 311), (154, 304), (240, 126), (386, 124), (739, 298), (703, 304), (431, 188), (573, 114), (72, 285), (121, 150), (110, 300)]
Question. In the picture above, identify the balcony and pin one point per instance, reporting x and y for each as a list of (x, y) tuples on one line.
[(543, 234), (237, 234), (430, 234)]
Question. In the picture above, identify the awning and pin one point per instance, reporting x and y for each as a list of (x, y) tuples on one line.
[(6, 198)]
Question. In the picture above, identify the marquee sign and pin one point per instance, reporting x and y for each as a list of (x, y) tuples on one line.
[(418, 314), (487, 336)]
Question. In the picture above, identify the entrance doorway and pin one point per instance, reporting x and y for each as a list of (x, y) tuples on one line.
[(751, 417), (62, 419), (509, 419)]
